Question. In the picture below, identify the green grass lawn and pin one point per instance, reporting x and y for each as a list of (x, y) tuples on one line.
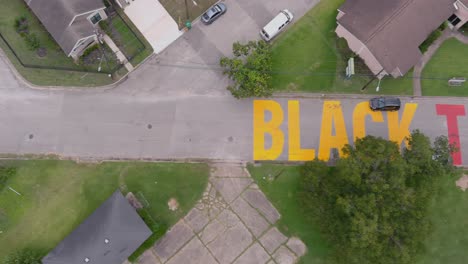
[(449, 213), (308, 57), (448, 62), (56, 196), (282, 193)]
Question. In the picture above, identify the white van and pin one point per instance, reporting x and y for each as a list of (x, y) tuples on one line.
[(276, 25)]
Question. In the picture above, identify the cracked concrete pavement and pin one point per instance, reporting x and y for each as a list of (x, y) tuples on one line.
[(232, 223)]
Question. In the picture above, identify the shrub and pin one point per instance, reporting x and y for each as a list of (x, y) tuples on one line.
[(89, 50), (22, 25), (157, 229), (432, 37), (5, 174), (104, 25), (32, 41)]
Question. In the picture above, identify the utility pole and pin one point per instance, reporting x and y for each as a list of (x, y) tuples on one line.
[(188, 23)]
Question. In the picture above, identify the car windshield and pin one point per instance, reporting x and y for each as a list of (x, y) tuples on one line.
[(381, 102), (213, 11)]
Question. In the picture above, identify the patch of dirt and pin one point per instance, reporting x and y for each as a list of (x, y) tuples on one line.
[(41, 52), (131, 198), (92, 57), (462, 183), (292, 87), (173, 204)]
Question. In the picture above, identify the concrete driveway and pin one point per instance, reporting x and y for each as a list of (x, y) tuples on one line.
[(190, 66), (154, 22)]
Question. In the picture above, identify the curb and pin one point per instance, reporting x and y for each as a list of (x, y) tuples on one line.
[(299, 95), (5, 156)]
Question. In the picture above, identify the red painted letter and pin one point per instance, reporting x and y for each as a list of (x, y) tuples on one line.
[(452, 112)]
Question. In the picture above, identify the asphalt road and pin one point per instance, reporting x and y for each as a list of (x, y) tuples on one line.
[(175, 112)]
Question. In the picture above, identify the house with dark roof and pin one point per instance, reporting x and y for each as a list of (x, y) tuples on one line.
[(72, 23), (108, 236), (387, 34)]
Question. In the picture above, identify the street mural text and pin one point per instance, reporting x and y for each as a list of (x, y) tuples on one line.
[(333, 133)]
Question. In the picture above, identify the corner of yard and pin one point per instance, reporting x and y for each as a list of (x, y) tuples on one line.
[(56, 196), (38, 58), (449, 61), (448, 212), (309, 57), (280, 184)]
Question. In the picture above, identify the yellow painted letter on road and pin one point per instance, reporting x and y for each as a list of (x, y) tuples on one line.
[(400, 130), (296, 153), (271, 127), (332, 115), (361, 111)]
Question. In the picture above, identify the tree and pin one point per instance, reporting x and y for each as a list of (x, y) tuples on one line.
[(372, 206), (250, 69), (24, 256)]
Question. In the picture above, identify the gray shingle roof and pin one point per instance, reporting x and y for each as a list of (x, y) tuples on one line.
[(56, 16), (115, 220), (394, 29)]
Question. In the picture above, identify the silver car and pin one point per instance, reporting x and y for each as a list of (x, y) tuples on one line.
[(213, 13)]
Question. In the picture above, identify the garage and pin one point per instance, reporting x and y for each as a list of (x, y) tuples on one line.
[(154, 22)]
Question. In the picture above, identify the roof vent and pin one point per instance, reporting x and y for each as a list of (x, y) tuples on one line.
[(86, 260), (106, 241)]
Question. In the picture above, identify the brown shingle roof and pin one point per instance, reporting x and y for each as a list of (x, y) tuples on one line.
[(393, 30), (465, 2), (56, 16)]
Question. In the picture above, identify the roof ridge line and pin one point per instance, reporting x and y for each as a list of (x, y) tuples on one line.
[(388, 20)]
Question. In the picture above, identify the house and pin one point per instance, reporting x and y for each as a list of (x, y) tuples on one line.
[(387, 34), (108, 236), (72, 23)]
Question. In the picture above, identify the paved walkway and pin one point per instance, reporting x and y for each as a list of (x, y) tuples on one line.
[(232, 223), (447, 34), (120, 56)]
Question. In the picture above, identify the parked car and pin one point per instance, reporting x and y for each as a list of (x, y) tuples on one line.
[(385, 104), (213, 13), (276, 25)]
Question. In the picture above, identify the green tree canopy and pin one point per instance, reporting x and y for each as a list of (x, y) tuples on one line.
[(250, 69), (372, 206)]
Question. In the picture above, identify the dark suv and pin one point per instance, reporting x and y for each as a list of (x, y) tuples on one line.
[(385, 104)]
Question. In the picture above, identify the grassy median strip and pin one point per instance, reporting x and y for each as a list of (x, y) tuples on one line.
[(448, 213), (56, 196)]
